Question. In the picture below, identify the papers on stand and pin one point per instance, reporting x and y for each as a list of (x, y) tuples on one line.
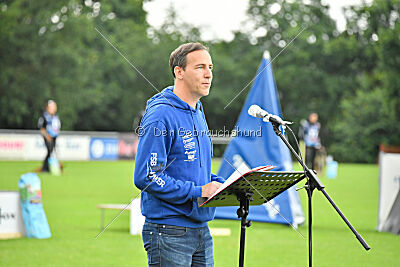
[(242, 170)]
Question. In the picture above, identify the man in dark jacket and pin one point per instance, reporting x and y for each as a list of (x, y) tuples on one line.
[(309, 131), (49, 125)]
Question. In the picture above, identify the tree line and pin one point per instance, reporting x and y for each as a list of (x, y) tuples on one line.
[(59, 50)]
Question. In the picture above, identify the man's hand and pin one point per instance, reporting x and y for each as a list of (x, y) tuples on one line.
[(209, 189), (45, 134), (48, 137)]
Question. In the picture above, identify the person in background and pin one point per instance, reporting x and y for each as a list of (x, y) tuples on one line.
[(173, 165), (309, 131), (137, 120), (136, 129), (49, 125)]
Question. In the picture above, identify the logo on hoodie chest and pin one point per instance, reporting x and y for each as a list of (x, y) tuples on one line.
[(189, 144)]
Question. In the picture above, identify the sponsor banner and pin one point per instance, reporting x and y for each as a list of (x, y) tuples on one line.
[(68, 147), (127, 146), (11, 223), (104, 148), (32, 147), (35, 147), (13, 146), (73, 147)]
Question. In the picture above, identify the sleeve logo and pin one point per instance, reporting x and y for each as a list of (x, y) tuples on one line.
[(152, 174)]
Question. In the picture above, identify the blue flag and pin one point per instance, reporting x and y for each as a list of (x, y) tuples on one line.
[(256, 144)]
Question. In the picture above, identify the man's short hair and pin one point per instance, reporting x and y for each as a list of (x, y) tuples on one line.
[(178, 56), (49, 102)]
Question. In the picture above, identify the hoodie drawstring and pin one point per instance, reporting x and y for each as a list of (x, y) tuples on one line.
[(197, 137)]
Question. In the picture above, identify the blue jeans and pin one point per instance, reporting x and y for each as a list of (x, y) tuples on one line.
[(168, 245)]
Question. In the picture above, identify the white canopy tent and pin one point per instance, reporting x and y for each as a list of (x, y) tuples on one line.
[(389, 190)]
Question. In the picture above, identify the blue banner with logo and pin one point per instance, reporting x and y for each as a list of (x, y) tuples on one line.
[(262, 149), (104, 148)]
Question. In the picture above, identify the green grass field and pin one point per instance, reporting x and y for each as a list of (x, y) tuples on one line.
[(70, 203)]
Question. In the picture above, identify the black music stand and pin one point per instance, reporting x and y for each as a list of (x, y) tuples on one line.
[(253, 188), (314, 183)]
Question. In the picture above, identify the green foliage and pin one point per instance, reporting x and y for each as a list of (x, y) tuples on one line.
[(328, 72), (304, 70), (369, 116), (51, 49), (364, 110)]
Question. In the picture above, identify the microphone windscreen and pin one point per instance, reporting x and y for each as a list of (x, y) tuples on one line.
[(254, 110)]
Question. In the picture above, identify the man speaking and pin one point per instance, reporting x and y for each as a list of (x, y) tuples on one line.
[(173, 165)]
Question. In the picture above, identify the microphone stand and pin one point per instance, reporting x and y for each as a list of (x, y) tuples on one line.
[(314, 183)]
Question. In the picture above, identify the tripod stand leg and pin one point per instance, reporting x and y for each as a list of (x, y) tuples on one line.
[(358, 236), (242, 213), (242, 241), (310, 190), (317, 184)]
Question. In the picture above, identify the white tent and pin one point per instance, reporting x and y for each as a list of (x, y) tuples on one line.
[(389, 190)]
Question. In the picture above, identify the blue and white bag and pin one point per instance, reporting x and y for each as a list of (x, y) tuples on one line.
[(35, 220)]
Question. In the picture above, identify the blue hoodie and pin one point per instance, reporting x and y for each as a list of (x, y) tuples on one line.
[(174, 162)]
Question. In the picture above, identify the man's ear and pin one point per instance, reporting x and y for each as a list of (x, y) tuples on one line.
[(178, 72)]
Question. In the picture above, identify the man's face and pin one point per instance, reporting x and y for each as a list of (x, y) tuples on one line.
[(197, 75), (52, 108), (313, 118)]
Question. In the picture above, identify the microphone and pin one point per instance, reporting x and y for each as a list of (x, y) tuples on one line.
[(256, 111)]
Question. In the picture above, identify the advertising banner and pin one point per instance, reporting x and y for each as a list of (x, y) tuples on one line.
[(11, 223), (73, 147), (35, 148), (104, 148), (126, 146), (32, 147), (13, 146)]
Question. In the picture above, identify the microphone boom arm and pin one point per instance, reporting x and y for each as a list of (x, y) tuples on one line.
[(312, 183)]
